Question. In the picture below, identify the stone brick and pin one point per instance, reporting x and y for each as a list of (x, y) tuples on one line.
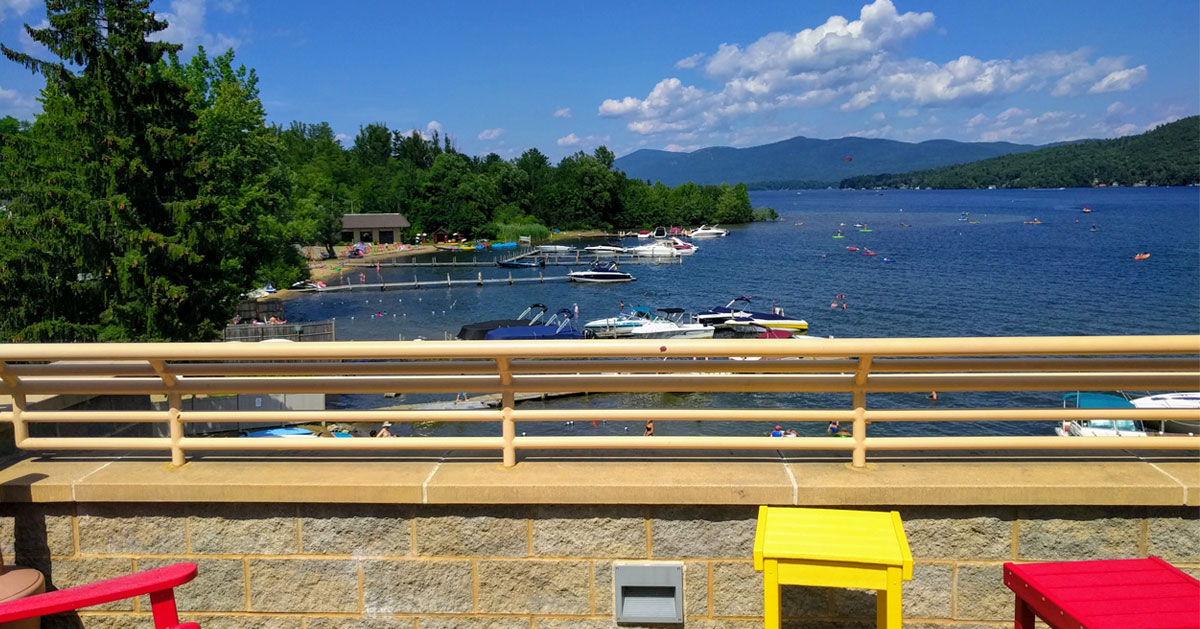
[(681, 532), (534, 587), (580, 532), (410, 587), (37, 531), (1069, 533), (796, 601), (243, 529), (928, 594), (142, 529), (800, 623), (579, 623), (472, 532), (602, 580), (695, 588), (359, 623), (853, 603), (958, 625), (75, 620), (356, 530), (254, 621), (68, 573), (979, 533), (737, 589), (1174, 535), (982, 594), (718, 623), (219, 586), (303, 585), (475, 623)]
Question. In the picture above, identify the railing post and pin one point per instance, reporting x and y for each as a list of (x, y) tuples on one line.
[(859, 401), (508, 426), (174, 420), (20, 428)]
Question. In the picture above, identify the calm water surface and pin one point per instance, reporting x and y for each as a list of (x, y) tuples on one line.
[(999, 277)]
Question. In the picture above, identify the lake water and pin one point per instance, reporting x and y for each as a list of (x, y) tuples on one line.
[(997, 277)]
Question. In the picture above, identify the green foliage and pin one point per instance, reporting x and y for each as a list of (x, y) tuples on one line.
[(765, 214), (1165, 156), (146, 196)]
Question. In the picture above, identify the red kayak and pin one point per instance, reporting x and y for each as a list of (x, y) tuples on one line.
[(852, 248)]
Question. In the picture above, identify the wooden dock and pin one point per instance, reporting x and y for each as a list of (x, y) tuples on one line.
[(489, 400), (579, 258), (440, 283)]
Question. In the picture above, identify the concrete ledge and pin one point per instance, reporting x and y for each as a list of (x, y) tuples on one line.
[(708, 478)]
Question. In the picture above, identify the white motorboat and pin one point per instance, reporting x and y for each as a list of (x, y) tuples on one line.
[(684, 248), (704, 231), (644, 235), (605, 250), (1098, 427), (559, 249), (621, 325), (671, 326), (659, 232), (659, 249), (601, 272), (1173, 400)]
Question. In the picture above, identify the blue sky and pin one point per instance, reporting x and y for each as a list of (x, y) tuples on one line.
[(568, 76)]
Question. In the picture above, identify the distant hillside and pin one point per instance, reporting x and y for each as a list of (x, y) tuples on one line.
[(1166, 156), (803, 160)]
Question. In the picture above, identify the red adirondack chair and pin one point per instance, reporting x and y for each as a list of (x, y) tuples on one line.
[(158, 583)]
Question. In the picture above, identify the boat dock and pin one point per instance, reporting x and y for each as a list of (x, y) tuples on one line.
[(488, 400), (576, 258), (439, 283)]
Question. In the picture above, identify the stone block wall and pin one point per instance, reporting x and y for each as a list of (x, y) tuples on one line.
[(324, 566)]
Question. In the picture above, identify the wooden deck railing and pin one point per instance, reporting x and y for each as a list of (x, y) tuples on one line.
[(854, 366)]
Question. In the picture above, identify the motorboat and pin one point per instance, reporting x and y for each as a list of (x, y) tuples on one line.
[(670, 325), (734, 315), (683, 247), (704, 231), (658, 249), (1141, 256), (478, 331), (621, 325), (659, 233), (1098, 427), (522, 263), (605, 250), (1173, 400), (601, 271), (557, 249), (558, 326), (644, 234)]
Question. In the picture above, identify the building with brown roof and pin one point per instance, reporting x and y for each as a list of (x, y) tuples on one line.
[(379, 228)]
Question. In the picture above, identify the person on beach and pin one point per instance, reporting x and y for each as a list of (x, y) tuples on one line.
[(834, 428), (791, 433), (778, 432), (462, 397), (383, 430), (649, 428)]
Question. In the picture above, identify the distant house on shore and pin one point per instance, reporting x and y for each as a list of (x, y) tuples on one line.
[(379, 228)]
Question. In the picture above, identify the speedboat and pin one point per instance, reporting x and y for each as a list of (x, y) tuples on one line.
[(659, 232), (1173, 400), (558, 326), (479, 331), (1098, 427), (644, 234), (704, 231), (684, 248), (737, 317), (523, 263), (605, 250), (660, 249), (621, 325), (670, 326), (555, 249), (601, 271)]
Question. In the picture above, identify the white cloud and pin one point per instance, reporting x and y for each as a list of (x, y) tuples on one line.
[(1052, 124), (861, 100), (1120, 80), (341, 137), (976, 120), (1118, 108), (906, 113), (1127, 129), (689, 62), (585, 141), (491, 134), (15, 7), (433, 126), (185, 25), (675, 148), (562, 112), (32, 47), (569, 140), (14, 103), (1010, 113), (879, 116)]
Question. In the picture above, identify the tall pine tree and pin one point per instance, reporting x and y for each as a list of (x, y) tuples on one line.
[(125, 223)]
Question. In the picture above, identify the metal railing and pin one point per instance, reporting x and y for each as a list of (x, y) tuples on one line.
[(854, 366)]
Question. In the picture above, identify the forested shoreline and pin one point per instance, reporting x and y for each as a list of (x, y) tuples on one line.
[(151, 193), (1164, 156)]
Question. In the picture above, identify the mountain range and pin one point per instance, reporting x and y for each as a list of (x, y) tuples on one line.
[(806, 160)]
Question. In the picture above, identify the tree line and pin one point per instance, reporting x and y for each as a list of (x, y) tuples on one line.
[(150, 193), (1164, 156)]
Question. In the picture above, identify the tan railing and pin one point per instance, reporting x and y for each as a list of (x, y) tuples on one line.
[(854, 366)]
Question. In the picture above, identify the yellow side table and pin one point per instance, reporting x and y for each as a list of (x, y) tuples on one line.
[(832, 548)]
